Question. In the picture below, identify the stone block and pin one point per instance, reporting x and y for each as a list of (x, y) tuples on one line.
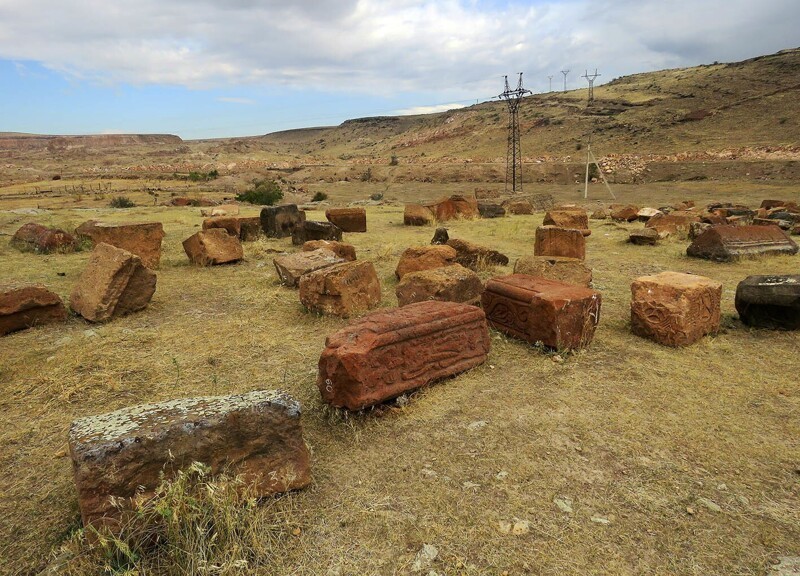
[(212, 247), (472, 255), (770, 301), (122, 455), (559, 268), (644, 237), (455, 207), (37, 238), (518, 207), (249, 228), (452, 283), (624, 212), (417, 215), (601, 214), (440, 237), (341, 249), (143, 239), (555, 241), (281, 221), (312, 230), (675, 309), (672, 224), (538, 310), (389, 352), (115, 282), (490, 210), (292, 266), (348, 219), (728, 243), (342, 290), (230, 224), (424, 258), (572, 218), (24, 306)]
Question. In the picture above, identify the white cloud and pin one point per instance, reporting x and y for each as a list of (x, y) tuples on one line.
[(235, 100), (428, 109), (453, 48)]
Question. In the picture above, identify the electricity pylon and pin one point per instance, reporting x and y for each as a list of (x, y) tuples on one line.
[(514, 152)]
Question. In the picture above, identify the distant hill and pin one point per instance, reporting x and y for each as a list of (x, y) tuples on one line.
[(17, 141)]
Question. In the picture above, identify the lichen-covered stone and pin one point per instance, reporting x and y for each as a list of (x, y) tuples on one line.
[(312, 230), (342, 289), (727, 243), (491, 210), (122, 454), (452, 283), (518, 206), (388, 352), (471, 255), (143, 239), (37, 238), (348, 219), (770, 301), (24, 306), (281, 221)]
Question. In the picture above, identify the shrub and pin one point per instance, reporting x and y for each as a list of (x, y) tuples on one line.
[(264, 192), (122, 202), (319, 197), (393, 161), (366, 176)]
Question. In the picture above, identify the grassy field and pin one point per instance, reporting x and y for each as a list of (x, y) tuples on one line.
[(673, 461)]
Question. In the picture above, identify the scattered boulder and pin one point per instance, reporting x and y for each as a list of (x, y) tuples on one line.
[(342, 250), (573, 218), (212, 247), (312, 230), (115, 282), (697, 228), (558, 268), (538, 310), (769, 301), (601, 214), (472, 255), (417, 215), (37, 238), (455, 207), (389, 352), (440, 236), (728, 243), (624, 212), (645, 236), (518, 206), (292, 266), (673, 223), (490, 210), (143, 239), (24, 306), (555, 241), (230, 224), (222, 210), (281, 221), (249, 228), (124, 454), (644, 214), (342, 289), (348, 219), (424, 258), (675, 309), (769, 204), (452, 283)]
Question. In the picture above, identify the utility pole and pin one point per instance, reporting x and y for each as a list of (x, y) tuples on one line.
[(551, 83), (565, 72), (590, 80), (514, 152)]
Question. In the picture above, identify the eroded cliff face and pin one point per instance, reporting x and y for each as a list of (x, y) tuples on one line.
[(24, 142)]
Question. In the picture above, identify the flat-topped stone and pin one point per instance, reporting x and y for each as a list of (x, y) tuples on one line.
[(348, 219), (419, 258), (27, 305), (727, 243), (122, 454), (555, 241), (341, 249), (388, 352), (281, 221), (472, 255), (292, 266), (230, 224), (212, 247), (417, 215), (572, 218), (559, 268), (452, 283), (342, 289), (313, 230), (770, 301), (143, 238)]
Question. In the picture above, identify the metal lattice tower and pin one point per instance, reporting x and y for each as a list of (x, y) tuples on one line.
[(565, 72), (551, 83), (590, 80), (514, 152)]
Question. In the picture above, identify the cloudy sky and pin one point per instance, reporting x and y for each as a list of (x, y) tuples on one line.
[(210, 68)]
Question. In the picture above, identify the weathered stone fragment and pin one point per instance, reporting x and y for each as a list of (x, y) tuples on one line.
[(440, 237), (348, 219), (115, 282), (558, 268), (538, 310), (572, 218), (24, 306), (518, 207), (342, 289), (417, 215), (452, 283), (37, 238), (424, 258), (644, 236), (675, 309), (230, 224), (221, 210), (644, 214), (389, 352), (281, 221), (769, 204), (249, 228), (601, 214), (769, 301), (123, 454), (455, 207), (213, 246), (472, 255), (674, 223), (143, 239), (341, 249), (624, 212), (312, 230), (727, 243), (490, 210), (555, 241), (292, 266), (697, 228)]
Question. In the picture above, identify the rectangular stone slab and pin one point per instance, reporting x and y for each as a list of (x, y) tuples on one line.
[(389, 352), (539, 310), (292, 266), (280, 221), (555, 241), (770, 301), (143, 239), (257, 435), (727, 243), (23, 306)]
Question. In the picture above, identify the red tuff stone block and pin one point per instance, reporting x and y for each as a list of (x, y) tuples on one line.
[(348, 219), (425, 258), (673, 223), (572, 218), (675, 309), (341, 249), (450, 283), (537, 310), (555, 241), (213, 246), (567, 270), (122, 455), (727, 243), (455, 206), (342, 289), (624, 213), (143, 239), (389, 352), (417, 215), (231, 224), (38, 238), (291, 267), (24, 306), (470, 255)]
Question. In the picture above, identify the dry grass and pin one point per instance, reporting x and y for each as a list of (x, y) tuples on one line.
[(632, 433)]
